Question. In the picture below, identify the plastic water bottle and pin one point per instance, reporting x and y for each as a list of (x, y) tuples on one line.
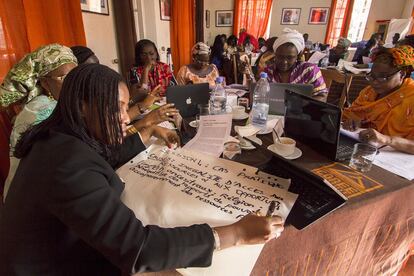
[(218, 98), (260, 108)]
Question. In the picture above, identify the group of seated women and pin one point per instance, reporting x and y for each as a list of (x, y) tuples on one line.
[(62, 212)]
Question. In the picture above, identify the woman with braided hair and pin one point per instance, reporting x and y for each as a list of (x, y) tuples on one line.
[(386, 106)]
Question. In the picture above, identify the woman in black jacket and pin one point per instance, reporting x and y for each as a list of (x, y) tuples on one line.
[(63, 214)]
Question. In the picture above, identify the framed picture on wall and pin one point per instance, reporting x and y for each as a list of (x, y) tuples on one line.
[(165, 10), (290, 16), (95, 6), (224, 18), (318, 16)]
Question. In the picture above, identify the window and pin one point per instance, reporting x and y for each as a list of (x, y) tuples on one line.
[(359, 19), (337, 25)]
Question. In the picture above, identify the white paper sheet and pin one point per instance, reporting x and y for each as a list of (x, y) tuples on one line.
[(316, 57), (180, 188), (212, 132), (396, 162)]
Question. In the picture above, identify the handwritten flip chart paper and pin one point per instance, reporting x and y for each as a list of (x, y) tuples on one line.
[(180, 188), (212, 132)]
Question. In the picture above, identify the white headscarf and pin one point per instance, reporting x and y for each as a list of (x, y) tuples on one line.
[(290, 36)]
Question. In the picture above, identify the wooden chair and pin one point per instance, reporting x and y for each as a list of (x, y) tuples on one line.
[(333, 75)]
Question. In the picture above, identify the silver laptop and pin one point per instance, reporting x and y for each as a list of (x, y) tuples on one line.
[(277, 95)]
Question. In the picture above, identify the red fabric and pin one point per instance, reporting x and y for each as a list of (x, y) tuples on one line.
[(253, 16), (253, 40), (161, 74)]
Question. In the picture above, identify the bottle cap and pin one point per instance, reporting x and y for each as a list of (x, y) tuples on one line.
[(263, 75), (219, 79)]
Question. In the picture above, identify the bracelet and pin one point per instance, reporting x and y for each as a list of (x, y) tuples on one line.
[(216, 240), (132, 130)]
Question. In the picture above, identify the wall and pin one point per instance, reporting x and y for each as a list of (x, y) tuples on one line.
[(408, 9), (150, 25), (100, 36), (383, 10), (316, 32), (213, 6)]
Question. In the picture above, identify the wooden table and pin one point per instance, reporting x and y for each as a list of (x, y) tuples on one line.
[(370, 235)]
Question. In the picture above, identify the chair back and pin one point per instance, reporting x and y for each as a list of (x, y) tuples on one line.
[(332, 75)]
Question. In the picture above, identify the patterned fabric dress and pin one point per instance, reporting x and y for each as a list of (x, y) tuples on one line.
[(160, 74), (302, 73)]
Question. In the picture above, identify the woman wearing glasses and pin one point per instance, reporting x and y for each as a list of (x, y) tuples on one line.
[(386, 106), (288, 68), (200, 71), (36, 81)]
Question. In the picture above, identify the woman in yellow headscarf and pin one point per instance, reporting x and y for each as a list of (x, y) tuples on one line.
[(386, 107)]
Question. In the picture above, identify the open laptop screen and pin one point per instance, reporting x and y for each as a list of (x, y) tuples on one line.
[(314, 123)]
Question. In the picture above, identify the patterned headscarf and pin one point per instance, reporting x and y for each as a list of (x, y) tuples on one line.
[(403, 56), (344, 42), (22, 80), (200, 48)]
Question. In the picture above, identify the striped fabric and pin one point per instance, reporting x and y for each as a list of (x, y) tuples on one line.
[(302, 73)]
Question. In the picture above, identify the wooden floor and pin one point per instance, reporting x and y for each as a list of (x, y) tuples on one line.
[(408, 269)]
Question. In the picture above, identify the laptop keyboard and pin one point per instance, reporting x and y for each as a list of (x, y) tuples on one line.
[(344, 151), (310, 197)]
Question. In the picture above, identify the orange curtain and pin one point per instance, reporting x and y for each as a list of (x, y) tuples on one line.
[(252, 15), (339, 20), (182, 33), (57, 21)]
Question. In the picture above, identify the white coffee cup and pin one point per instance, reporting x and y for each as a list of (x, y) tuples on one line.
[(285, 147), (238, 110)]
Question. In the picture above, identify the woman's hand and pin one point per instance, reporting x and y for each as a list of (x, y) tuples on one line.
[(149, 65), (251, 229), (169, 136), (372, 136), (151, 98)]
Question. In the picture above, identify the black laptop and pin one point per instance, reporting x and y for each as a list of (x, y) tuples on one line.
[(317, 125), (277, 95), (317, 197), (187, 97)]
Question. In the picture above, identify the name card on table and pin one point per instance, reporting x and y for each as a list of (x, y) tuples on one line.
[(180, 188)]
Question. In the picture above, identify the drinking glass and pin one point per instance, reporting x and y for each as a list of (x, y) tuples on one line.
[(362, 157)]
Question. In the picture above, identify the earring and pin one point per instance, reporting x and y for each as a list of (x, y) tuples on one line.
[(50, 96)]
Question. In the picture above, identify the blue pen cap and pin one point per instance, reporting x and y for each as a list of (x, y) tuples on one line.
[(219, 79), (263, 75)]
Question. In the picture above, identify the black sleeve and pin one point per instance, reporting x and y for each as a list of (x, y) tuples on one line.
[(131, 146), (81, 198)]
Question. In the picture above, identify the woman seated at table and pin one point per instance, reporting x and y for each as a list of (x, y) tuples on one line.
[(35, 80), (386, 107), (64, 216), (149, 71), (217, 52), (288, 68), (231, 46), (201, 70), (340, 51)]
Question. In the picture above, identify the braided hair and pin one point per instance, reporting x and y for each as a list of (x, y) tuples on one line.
[(139, 47), (90, 87)]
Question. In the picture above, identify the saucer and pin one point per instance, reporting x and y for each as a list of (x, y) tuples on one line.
[(193, 124), (246, 145), (240, 116), (296, 153)]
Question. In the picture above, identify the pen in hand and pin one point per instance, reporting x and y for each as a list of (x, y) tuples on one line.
[(271, 209)]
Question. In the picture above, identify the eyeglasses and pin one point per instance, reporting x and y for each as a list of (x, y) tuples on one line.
[(288, 58), (57, 78), (370, 77)]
